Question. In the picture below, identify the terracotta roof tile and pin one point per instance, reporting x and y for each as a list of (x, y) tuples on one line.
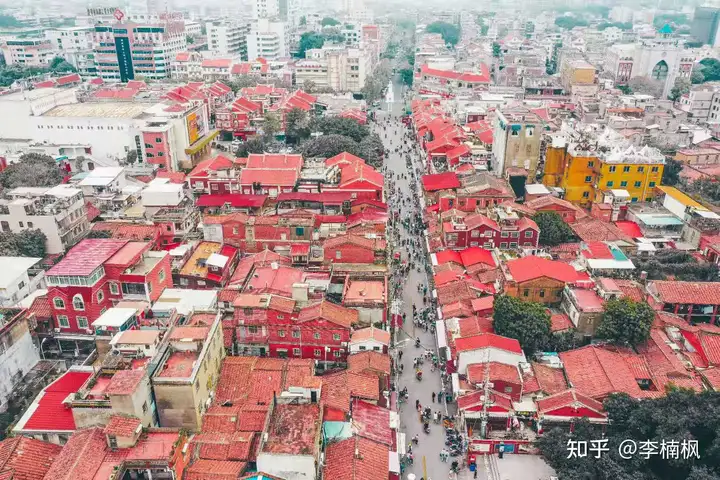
[(124, 382), (371, 462), (122, 426), (215, 470), (549, 380), (597, 372), (369, 361), (703, 293), (26, 459), (337, 314), (568, 398), (339, 389)]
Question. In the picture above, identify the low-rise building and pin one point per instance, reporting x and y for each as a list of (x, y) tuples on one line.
[(17, 282), (537, 279), (186, 373), (59, 212)]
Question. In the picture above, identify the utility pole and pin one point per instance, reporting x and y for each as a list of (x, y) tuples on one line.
[(425, 475)]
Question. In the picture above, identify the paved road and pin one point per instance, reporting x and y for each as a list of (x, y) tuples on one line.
[(430, 445)]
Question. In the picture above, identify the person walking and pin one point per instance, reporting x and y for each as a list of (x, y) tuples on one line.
[(433, 397)]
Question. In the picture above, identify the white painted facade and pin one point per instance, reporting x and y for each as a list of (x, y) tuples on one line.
[(15, 283), (292, 467), (18, 109), (18, 357)]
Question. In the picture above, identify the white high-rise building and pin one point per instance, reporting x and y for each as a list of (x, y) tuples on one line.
[(266, 8), (269, 39), (227, 39), (75, 45)]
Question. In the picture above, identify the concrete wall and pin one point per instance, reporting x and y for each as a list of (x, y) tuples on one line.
[(297, 467), (19, 356)]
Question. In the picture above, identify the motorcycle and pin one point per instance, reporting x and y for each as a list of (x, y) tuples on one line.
[(418, 375), (417, 342)]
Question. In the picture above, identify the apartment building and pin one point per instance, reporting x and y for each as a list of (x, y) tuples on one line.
[(187, 373), (124, 50), (75, 45), (516, 140), (20, 278), (269, 39), (99, 272), (586, 164), (228, 39), (337, 67), (58, 212), (18, 355), (29, 52)]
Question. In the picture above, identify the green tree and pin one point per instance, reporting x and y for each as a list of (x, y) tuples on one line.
[(309, 41), (671, 172), (450, 33), (371, 150), (496, 51), (553, 229), (303, 20), (60, 65), (329, 22), (336, 125), (27, 243), (271, 124), (326, 146), (626, 321), (296, 126), (190, 40), (8, 21), (407, 75), (697, 77), (681, 87), (527, 322), (131, 157), (568, 22), (32, 170), (254, 145), (710, 69)]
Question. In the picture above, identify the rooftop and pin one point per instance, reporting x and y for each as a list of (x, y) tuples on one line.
[(99, 110), (48, 412), (364, 290), (178, 365), (293, 430), (114, 318), (13, 268), (123, 426), (125, 382), (86, 256), (25, 458)]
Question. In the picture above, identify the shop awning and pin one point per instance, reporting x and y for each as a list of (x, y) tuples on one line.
[(200, 144)]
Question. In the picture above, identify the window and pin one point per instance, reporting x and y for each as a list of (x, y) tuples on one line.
[(316, 335), (590, 164), (610, 183), (281, 317), (296, 352), (637, 184), (281, 333), (161, 275), (100, 296), (542, 293), (634, 199), (513, 244), (236, 230), (655, 169), (475, 233), (112, 439), (641, 169), (503, 244), (336, 336), (114, 290), (504, 234), (21, 224), (651, 184), (31, 225), (78, 302), (612, 169), (586, 194), (63, 321), (588, 179), (514, 234), (82, 322), (253, 329), (317, 352), (336, 354), (528, 233), (338, 254), (623, 183), (296, 333), (59, 303)]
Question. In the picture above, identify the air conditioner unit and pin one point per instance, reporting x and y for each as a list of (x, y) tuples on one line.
[(56, 330)]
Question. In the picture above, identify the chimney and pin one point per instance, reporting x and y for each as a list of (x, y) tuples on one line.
[(300, 292)]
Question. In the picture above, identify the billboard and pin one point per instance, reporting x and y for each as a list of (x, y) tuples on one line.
[(195, 126)]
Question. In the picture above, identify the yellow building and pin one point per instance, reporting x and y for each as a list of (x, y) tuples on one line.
[(588, 165)]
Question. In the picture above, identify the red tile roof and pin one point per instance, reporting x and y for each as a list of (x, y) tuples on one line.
[(568, 398), (356, 458), (125, 382), (216, 63), (81, 456), (325, 310), (498, 371), (122, 426), (597, 372), (340, 388), (440, 181), (51, 413), (41, 307), (701, 293), (215, 470), (86, 256), (549, 380), (369, 361), (23, 458), (282, 177), (560, 322), (482, 77), (473, 325), (631, 229), (365, 334), (474, 255), (532, 267), (358, 240), (488, 340)]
